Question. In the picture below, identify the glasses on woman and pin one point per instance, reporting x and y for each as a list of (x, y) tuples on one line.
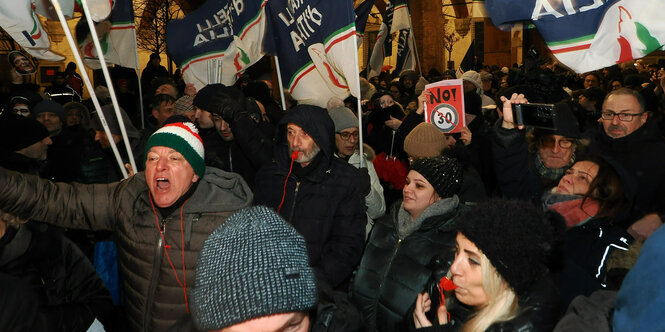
[(346, 135), (625, 117), (549, 141)]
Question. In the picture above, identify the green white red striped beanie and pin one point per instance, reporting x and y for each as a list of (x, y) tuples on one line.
[(184, 138)]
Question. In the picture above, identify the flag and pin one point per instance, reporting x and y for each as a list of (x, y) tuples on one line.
[(589, 36), (362, 13), (383, 46), (116, 37), (227, 30), (19, 20), (400, 17), (405, 57), (469, 60), (314, 43)]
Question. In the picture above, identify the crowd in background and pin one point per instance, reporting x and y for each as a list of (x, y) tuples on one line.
[(538, 229)]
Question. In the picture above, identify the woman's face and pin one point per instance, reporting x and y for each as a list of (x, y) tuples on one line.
[(386, 101), (577, 178), (467, 273), (418, 194)]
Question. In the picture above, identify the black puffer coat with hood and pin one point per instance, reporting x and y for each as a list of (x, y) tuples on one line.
[(324, 201)]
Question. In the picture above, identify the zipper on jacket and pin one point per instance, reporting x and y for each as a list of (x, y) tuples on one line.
[(383, 278), (230, 161), (154, 277), (293, 205)]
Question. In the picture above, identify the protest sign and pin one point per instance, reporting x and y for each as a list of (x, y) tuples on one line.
[(444, 106)]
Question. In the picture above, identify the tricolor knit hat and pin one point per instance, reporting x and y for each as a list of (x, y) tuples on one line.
[(425, 140), (255, 264), (515, 236), (443, 173), (184, 138)]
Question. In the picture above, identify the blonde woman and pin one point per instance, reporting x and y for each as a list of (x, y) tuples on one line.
[(503, 283)]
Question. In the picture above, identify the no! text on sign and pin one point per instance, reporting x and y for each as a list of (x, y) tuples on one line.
[(444, 106)]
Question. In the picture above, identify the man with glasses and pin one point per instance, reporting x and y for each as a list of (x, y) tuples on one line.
[(634, 140), (540, 157), (347, 137)]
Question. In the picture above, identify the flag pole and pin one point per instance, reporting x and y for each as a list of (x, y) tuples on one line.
[(281, 85), (109, 83), (359, 104), (138, 75), (88, 84)]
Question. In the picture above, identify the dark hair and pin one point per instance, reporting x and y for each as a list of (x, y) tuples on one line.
[(161, 98), (607, 189), (71, 66)]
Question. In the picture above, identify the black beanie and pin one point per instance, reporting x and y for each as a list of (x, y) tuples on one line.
[(18, 132), (204, 97), (443, 173), (516, 237)]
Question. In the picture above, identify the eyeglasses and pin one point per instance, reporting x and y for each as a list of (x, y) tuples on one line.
[(549, 141), (346, 135), (626, 117)]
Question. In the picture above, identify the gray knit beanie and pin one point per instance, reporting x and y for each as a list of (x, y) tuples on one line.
[(253, 265), (343, 118)]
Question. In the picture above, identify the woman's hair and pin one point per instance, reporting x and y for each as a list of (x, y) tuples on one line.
[(607, 189), (502, 301)]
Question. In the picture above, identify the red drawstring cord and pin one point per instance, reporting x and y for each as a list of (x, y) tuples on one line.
[(182, 245), (294, 156)]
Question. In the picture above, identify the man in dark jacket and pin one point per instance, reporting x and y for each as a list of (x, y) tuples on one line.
[(217, 106), (630, 137), (67, 291), (160, 219), (320, 195)]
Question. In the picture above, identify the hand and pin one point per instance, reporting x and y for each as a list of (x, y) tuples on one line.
[(393, 123), (466, 136), (508, 121), (15, 76), (421, 101), (190, 90), (130, 170), (423, 305), (365, 182), (643, 228)]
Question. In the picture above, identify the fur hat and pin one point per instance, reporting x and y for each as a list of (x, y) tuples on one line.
[(425, 140), (255, 264), (343, 118), (443, 173), (184, 138), (516, 237), (473, 77)]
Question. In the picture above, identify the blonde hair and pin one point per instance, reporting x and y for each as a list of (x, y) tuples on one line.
[(502, 300)]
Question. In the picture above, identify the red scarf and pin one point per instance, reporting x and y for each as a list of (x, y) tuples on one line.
[(574, 212)]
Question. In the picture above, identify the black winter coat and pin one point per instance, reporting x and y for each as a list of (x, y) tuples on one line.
[(642, 154), (70, 293), (325, 203), (394, 270)]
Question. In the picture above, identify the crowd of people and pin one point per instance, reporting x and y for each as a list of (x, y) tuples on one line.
[(241, 215)]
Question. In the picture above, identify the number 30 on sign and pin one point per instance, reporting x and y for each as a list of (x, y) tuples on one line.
[(445, 105)]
